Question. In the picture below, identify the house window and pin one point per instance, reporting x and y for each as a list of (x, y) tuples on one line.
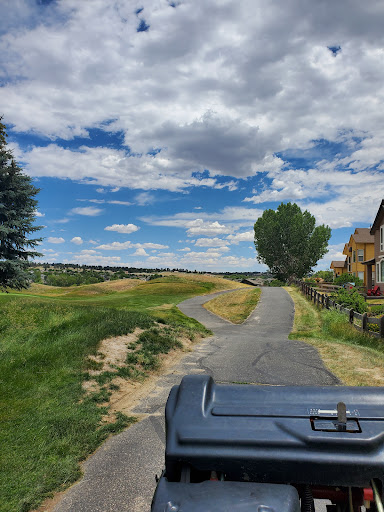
[(381, 238), (360, 275), (354, 256), (349, 263), (373, 277), (360, 254), (380, 272)]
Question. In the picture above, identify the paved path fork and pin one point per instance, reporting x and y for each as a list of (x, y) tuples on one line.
[(259, 350), (119, 477)]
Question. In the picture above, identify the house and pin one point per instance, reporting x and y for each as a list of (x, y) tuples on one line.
[(358, 250), (339, 268), (375, 264)]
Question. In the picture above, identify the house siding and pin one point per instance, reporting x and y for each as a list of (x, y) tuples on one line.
[(379, 255), (355, 266)]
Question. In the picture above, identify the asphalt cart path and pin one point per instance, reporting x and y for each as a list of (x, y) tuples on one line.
[(120, 476)]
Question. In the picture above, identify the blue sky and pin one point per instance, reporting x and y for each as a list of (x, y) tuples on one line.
[(159, 131)]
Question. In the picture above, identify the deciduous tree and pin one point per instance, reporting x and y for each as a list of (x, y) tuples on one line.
[(17, 216), (288, 241)]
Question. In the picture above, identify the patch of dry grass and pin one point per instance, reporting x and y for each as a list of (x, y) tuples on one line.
[(235, 306), (219, 282), (120, 285), (354, 366)]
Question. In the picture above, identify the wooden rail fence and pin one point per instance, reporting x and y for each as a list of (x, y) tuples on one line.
[(362, 322)]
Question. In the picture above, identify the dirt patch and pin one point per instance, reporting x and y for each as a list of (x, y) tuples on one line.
[(113, 352), (125, 393), (130, 393)]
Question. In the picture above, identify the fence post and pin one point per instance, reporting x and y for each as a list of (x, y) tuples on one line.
[(364, 322), (351, 315), (327, 301), (381, 327)]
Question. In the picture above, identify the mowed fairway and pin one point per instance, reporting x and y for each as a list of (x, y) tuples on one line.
[(48, 424)]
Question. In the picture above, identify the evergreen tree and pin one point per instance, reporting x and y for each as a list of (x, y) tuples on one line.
[(17, 214)]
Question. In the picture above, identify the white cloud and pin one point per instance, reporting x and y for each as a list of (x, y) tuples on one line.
[(123, 203), (88, 211), (150, 245), (115, 246), (140, 252), (122, 228), (246, 236), (88, 251), (119, 246), (144, 198), (55, 240), (235, 215), (39, 214), (210, 242), (200, 227), (77, 240), (94, 259)]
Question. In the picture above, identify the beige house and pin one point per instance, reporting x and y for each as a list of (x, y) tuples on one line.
[(358, 250), (339, 268)]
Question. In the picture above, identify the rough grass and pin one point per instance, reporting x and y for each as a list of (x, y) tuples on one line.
[(48, 422), (235, 306), (354, 357)]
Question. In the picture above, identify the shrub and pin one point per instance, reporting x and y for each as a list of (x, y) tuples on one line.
[(276, 282), (377, 310), (351, 299), (327, 275), (348, 278)]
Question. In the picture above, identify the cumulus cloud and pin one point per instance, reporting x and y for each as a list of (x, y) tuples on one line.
[(200, 227), (122, 228), (140, 252), (233, 94), (210, 242), (246, 236), (77, 240), (55, 240), (119, 246), (114, 246), (88, 211)]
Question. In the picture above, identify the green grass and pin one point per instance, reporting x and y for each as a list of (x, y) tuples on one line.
[(314, 322), (356, 358), (47, 423)]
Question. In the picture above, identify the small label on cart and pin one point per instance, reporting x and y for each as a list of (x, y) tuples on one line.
[(314, 411)]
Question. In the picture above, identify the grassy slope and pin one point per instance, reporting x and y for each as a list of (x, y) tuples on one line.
[(235, 306), (355, 358), (46, 334)]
